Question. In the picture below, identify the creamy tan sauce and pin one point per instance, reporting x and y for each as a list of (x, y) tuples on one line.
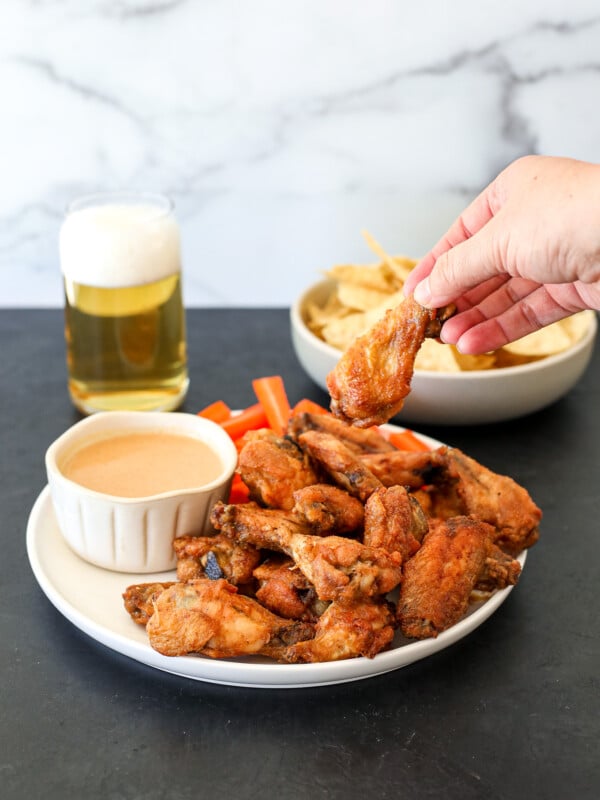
[(143, 464)]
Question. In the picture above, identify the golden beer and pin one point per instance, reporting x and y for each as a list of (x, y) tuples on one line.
[(124, 314)]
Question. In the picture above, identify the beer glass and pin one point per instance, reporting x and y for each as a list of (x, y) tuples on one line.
[(124, 315)]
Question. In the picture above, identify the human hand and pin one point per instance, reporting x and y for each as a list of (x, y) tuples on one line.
[(524, 254)]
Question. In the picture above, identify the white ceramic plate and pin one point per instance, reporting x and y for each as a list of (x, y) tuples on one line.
[(90, 597)]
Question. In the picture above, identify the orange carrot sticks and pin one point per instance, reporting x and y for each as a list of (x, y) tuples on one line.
[(306, 406), (249, 419), (217, 411), (239, 492), (271, 394), (406, 440)]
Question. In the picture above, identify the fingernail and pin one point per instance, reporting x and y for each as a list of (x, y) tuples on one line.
[(422, 293)]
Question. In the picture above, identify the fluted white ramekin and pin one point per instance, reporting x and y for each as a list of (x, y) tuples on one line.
[(135, 534)]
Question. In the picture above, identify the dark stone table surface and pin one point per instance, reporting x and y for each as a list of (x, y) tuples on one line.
[(511, 711)]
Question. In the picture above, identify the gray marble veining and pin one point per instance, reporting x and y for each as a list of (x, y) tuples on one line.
[(281, 130)]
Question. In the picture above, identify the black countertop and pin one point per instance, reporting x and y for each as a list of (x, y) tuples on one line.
[(511, 711)]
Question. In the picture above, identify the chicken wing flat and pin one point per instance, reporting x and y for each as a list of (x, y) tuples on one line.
[(394, 521), (210, 618), (439, 579), (285, 591), (371, 380), (341, 464), (273, 467), (214, 557), (359, 440), (404, 467), (495, 499), (347, 631), (328, 509), (139, 599), (339, 568)]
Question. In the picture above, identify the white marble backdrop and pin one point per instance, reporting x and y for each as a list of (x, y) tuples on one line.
[(280, 129)]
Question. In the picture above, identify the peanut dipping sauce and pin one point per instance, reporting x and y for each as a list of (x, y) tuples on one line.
[(143, 464)]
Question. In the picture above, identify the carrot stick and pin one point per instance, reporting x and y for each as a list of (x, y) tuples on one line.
[(272, 396), (239, 492), (406, 440), (306, 406), (250, 419), (217, 411)]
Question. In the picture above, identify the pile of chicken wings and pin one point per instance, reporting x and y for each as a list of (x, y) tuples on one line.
[(346, 541)]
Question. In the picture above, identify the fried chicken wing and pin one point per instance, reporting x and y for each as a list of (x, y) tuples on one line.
[(328, 509), (359, 440), (347, 631), (285, 591), (139, 598), (211, 618), (214, 557), (249, 523), (371, 380), (273, 467), (404, 467), (495, 499), (394, 521), (342, 465), (500, 570), (439, 579), (339, 568)]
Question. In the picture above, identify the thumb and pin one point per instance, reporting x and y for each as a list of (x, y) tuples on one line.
[(461, 268)]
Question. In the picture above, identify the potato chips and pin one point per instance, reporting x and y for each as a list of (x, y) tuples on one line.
[(362, 294)]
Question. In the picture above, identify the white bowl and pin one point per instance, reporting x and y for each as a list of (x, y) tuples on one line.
[(456, 398), (135, 534)]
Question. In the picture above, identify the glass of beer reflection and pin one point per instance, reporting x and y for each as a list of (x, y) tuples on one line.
[(124, 316)]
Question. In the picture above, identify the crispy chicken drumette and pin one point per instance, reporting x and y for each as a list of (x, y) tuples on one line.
[(328, 509), (371, 380), (273, 467), (394, 521)]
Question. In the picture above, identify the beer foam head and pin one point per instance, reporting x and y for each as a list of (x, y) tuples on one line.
[(115, 244)]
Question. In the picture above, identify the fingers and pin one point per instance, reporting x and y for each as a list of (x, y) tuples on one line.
[(472, 220), (477, 295), (541, 307), (466, 266), (488, 301), (530, 221), (419, 273)]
